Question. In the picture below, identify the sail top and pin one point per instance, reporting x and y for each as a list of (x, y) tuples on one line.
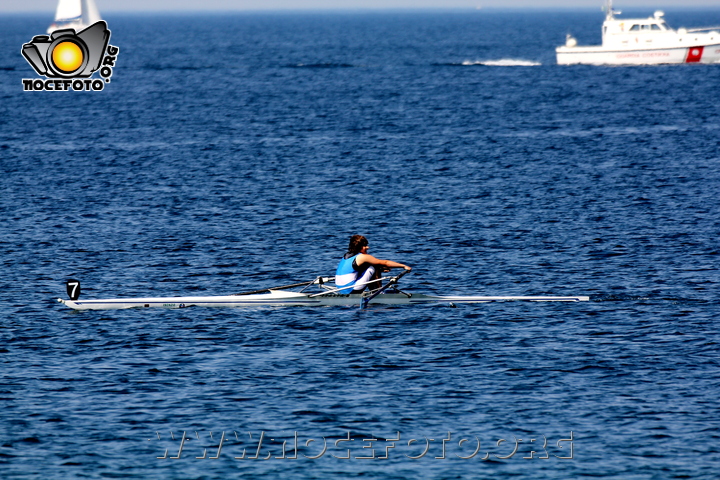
[(72, 10), (68, 10)]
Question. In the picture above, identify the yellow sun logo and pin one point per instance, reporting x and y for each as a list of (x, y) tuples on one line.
[(67, 56)]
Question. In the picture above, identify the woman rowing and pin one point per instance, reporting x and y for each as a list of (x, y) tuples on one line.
[(358, 269)]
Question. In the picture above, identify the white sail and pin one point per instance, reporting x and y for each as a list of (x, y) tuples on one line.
[(76, 14), (68, 10), (90, 12)]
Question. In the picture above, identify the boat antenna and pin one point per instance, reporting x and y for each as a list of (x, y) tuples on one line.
[(609, 12)]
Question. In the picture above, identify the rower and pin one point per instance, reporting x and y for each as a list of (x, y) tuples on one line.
[(357, 267)]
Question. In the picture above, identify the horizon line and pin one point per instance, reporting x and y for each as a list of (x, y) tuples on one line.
[(376, 9)]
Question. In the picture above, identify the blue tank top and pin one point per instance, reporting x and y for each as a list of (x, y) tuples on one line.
[(346, 275)]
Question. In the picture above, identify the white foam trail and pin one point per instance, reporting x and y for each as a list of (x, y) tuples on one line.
[(504, 62)]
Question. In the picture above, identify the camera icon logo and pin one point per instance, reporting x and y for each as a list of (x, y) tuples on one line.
[(66, 54)]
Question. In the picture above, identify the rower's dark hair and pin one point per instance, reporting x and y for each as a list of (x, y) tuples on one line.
[(357, 242)]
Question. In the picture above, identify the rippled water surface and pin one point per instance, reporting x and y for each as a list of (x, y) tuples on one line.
[(233, 152)]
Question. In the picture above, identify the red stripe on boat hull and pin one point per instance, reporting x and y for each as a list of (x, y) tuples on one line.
[(694, 55)]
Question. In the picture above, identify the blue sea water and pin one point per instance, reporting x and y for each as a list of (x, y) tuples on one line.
[(233, 152)]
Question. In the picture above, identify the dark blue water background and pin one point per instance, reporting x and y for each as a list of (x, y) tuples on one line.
[(232, 152)]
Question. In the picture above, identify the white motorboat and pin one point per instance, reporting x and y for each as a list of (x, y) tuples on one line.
[(643, 41), (389, 294), (75, 14)]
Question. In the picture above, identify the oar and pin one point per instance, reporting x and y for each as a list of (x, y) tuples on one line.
[(393, 281)]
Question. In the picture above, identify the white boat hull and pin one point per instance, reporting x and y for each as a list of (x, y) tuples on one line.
[(650, 56), (643, 41), (284, 298)]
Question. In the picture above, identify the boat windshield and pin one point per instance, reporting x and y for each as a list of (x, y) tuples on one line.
[(648, 27)]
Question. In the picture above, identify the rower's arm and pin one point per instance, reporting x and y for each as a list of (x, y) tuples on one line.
[(365, 258)]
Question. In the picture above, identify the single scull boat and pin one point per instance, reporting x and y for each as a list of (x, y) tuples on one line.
[(280, 296)]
